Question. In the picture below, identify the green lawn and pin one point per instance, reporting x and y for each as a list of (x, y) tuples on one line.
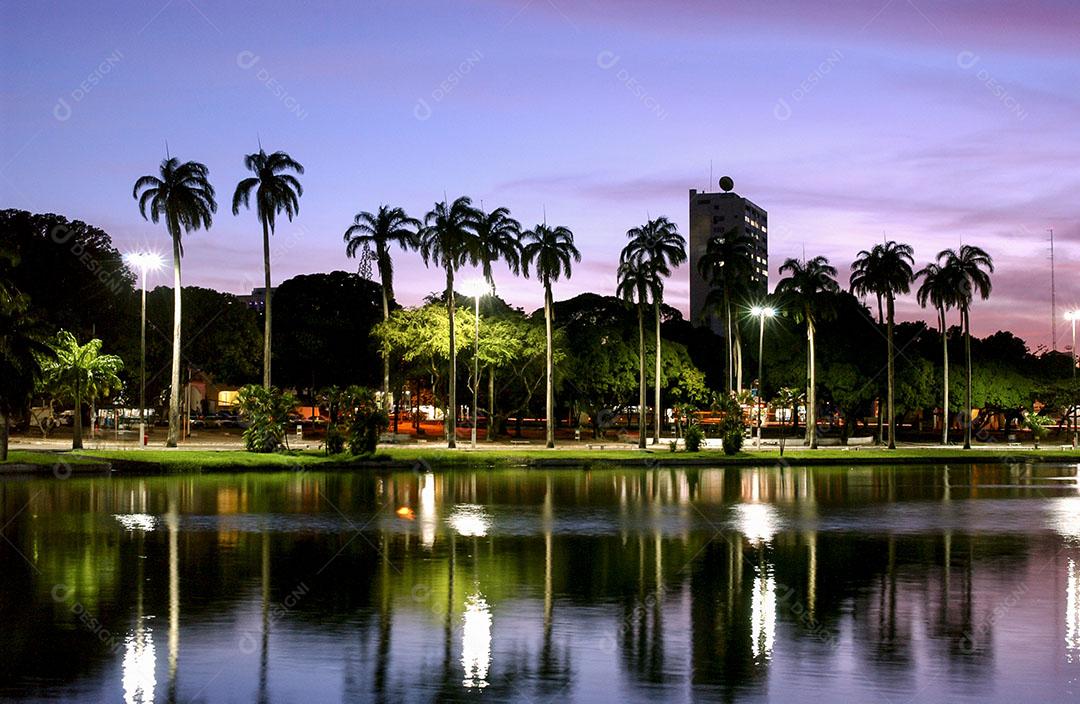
[(47, 459)]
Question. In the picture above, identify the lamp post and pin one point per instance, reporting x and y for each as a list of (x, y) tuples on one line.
[(1072, 316), (476, 288), (761, 312), (144, 262)]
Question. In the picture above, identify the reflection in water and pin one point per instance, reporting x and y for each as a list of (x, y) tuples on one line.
[(136, 521), (763, 614), (470, 520), (756, 521), (476, 641), (429, 520), (1072, 613), (138, 667)]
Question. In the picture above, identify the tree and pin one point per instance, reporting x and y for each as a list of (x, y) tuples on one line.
[(939, 290), (970, 267), (548, 251), (807, 285), (449, 240), (275, 191), (726, 267), (499, 238), (184, 198), (23, 347), (659, 242), (885, 271), (639, 281), (379, 232), (80, 374)]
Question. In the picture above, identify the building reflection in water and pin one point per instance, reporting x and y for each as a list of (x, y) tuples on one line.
[(476, 641)]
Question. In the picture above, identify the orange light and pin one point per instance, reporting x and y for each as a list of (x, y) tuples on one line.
[(406, 512)]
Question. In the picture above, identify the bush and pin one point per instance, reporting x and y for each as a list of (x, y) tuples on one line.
[(335, 440), (733, 440), (693, 437), (267, 412)]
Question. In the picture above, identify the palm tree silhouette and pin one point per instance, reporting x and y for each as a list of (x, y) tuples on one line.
[(970, 268), (885, 271), (657, 241), (938, 289), (807, 285), (379, 232), (275, 192), (449, 239), (548, 251), (500, 238), (725, 265), (81, 373), (640, 280), (183, 196)]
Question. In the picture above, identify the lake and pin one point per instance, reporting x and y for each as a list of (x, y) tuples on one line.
[(906, 584)]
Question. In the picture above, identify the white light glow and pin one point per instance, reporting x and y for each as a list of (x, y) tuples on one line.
[(476, 641), (136, 521), (470, 520), (476, 286), (1072, 614), (763, 615), (757, 522), (144, 261), (138, 667), (428, 518)]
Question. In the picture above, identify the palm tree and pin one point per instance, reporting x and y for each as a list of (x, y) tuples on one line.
[(657, 241), (640, 279), (80, 373), (725, 266), (500, 238), (449, 239), (807, 285), (549, 251), (380, 231), (23, 347), (940, 291), (275, 192), (970, 268), (183, 196), (885, 271)]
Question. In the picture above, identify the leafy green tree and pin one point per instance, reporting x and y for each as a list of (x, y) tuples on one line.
[(276, 191), (449, 240), (267, 410), (808, 286), (788, 399), (183, 197), (939, 290), (726, 266), (23, 347), (548, 251), (374, 234), (885, 271), (80, 374), (970, 267), (641, 281), (850, 394), (657, 241)]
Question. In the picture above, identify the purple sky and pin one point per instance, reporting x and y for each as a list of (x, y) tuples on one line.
[(932, 124)]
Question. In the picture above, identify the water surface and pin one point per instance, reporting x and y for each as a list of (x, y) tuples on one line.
[(776, 584)]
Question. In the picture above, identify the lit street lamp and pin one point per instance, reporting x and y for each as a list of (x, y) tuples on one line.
[(144, 262), (761, 312), (1072, 316), (476, 288)]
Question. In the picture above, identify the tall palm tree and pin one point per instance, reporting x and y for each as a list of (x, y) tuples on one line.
[(80, 373), (970, 268), (808, 284), (449, 240), (641, 280), (183, 197), (885, 271), (939, 290), (500, 238), (657, 241), (275, 191), (379, 232), (548, 251), (726, 267)]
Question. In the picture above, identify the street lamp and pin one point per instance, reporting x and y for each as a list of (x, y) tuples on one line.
[(476, 287), (1072, 316), (761, 312), (144, 262)]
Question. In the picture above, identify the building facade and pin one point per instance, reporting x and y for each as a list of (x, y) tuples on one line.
[(714, 214)]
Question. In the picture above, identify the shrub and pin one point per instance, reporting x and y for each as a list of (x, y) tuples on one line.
[(733, 440), (1039, 426), (693, 437), (364, 419), (732, 428), (335, 440), (267, 412)]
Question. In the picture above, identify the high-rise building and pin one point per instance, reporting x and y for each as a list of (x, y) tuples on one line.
[(713, 214)]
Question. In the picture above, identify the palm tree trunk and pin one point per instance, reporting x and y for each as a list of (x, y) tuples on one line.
[(385, 354), (266, 304), (491, 405), (174, 390), (738, 358), (451, 407), (967, 355), (642, 429), (892, 414), (550, 400), (945, 367), (656, 406), (811, 392), (3, 435), (730, 352), (76, 434)]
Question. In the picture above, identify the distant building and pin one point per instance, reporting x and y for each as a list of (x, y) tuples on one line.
[(256, 300), (713, 214)]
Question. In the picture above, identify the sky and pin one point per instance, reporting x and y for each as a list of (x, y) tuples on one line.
[(934, 124)]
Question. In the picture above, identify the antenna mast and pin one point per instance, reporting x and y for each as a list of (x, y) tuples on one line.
[(1053, 297)]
